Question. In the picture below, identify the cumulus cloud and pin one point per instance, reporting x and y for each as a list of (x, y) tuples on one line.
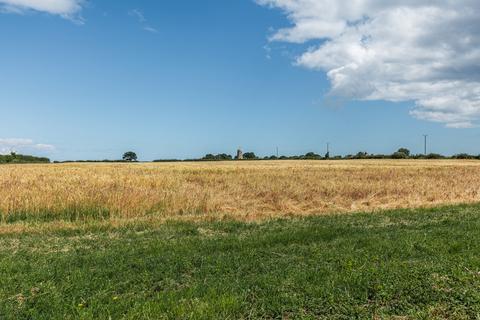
[(423, 51), (9, 145), (68, 9)]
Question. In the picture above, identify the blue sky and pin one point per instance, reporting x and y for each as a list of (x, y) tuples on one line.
[(179, 79)]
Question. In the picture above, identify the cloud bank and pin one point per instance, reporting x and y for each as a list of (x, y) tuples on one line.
[(398, 50), (68, 9), (9, 145)]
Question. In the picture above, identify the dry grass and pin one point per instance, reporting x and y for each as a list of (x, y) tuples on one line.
[(240, 190)]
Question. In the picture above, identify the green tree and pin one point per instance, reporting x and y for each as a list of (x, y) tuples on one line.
[(249, 155), (463, 156), (399, 155), (130, 156), (209, 156), (223, 156), (361, 155), (404, 151), (312, 155), (434, 156)]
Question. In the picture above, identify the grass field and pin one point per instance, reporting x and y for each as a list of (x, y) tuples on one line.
[(404, 264), (244, 191), (241, 240)]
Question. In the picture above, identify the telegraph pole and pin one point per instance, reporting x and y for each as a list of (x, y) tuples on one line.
[(277, 152), (328, 147), (425, 143)]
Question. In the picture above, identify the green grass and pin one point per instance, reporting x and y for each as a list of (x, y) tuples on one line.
[(419, 264)]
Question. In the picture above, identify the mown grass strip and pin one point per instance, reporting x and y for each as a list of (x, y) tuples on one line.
[(418, 264)]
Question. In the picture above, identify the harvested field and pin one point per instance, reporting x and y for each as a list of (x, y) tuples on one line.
[(239, 190)]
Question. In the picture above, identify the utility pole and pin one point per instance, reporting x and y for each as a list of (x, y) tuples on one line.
[(425, 143), (277, 152), (328, 147)]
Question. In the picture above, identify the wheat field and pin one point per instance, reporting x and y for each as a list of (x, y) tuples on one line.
[(240, 190)]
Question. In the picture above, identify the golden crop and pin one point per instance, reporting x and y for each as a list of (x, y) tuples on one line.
[(239, 190)]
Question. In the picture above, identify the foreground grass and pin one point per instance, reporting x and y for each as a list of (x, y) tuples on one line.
[(411, 263)]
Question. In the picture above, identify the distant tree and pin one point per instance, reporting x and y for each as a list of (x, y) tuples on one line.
[(361, 155), (224, 156), (130, 156), (312, 155), (327, 155), (20, 158), (399, 155), (220, 157), (249, 156), (463, 156), (434, 156), (209, 157), (404, 151)]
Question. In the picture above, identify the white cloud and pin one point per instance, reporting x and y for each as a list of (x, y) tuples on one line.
[(138, 14), (398, 50), (9, 145), (68, 9), (150, 29)]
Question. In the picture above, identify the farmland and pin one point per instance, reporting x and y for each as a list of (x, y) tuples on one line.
[(244, 191), (241, 240)]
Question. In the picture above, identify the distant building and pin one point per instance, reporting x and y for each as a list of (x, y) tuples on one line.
[(239, 155)]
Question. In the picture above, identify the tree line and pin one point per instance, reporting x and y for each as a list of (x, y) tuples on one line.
[(402, 153), (20, 158), (130, 156)]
